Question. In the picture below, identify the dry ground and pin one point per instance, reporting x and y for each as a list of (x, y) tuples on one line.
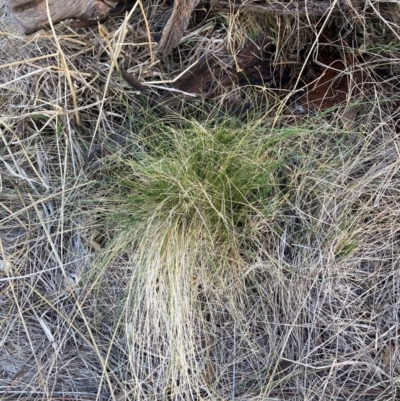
[(120, 278)]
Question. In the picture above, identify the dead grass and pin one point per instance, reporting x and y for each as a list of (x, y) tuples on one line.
[(95, 306)]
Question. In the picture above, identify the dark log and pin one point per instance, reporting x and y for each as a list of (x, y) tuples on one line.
[(31, 15)]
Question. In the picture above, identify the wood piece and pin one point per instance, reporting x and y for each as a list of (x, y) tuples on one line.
[(312, 8), (31, 15), (176, 25), (251, 60), (119, 9), (200, 75)]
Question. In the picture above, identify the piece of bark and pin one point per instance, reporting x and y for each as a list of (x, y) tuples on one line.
[(199, 76), (120, 9), (176, 25), (208, 69), (207, 75), (312, 8), (31, 15)]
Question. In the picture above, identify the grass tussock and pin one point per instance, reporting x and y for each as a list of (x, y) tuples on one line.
[(188, 254), (206, 184)]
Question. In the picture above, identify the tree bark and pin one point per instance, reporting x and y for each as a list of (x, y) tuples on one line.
[(31, 15), (176, 25)]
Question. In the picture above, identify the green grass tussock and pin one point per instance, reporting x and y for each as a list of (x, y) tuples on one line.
[(206, 183)]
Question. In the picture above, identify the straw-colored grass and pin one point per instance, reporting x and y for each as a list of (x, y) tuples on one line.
[(187, 254)]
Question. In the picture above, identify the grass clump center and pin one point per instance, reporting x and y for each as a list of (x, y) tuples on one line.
[(206, 184)]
